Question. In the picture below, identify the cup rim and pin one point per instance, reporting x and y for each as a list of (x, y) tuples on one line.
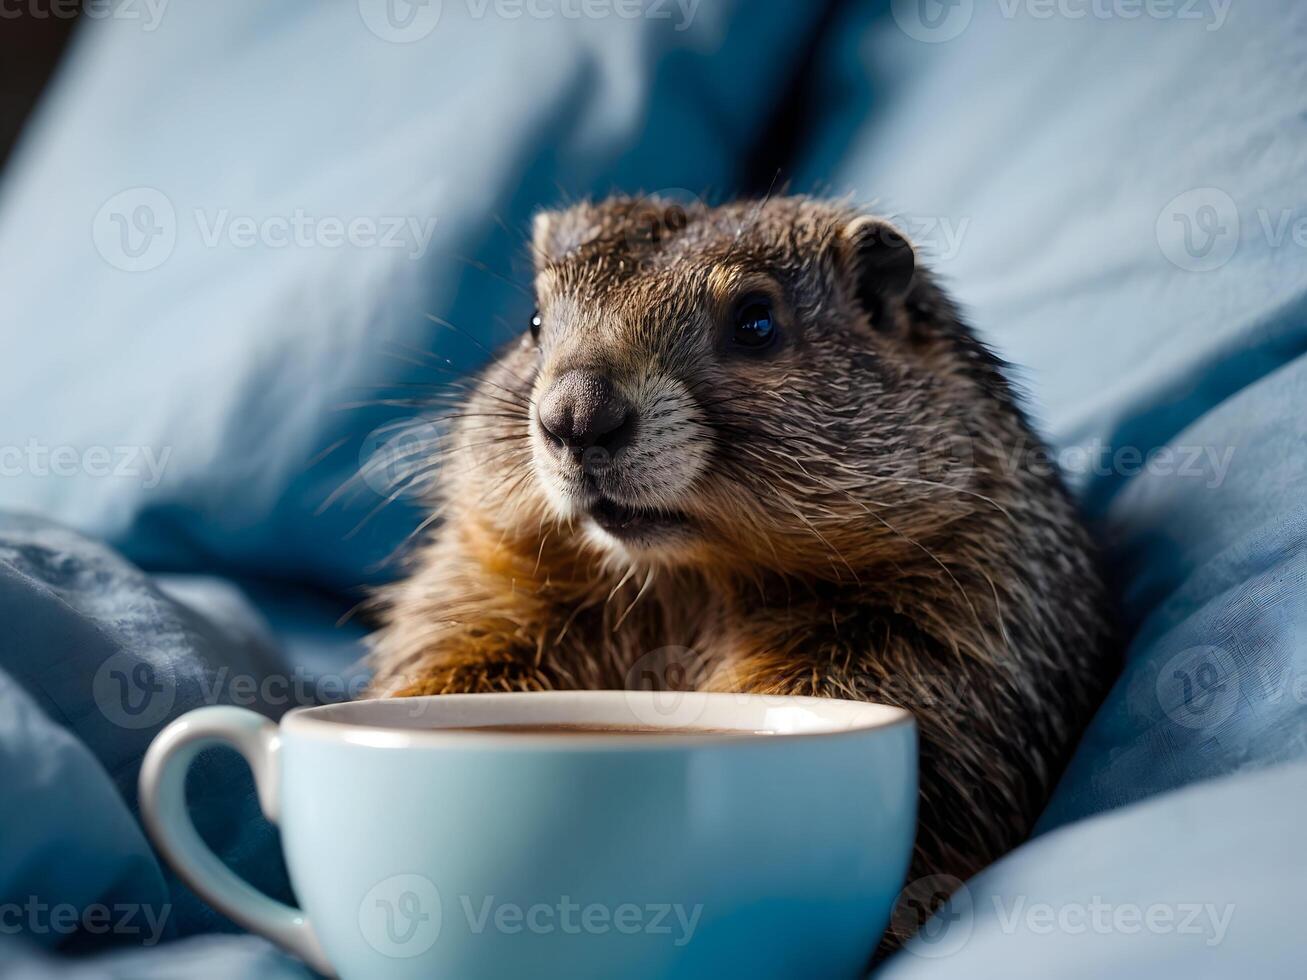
[(860, 718)]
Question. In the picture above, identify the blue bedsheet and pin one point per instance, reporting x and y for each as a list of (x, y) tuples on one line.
[(94, 658), (1058, 170)]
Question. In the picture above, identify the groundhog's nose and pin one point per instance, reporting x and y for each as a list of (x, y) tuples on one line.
[(582, 409)]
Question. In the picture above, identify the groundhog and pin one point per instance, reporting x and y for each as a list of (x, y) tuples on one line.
[(760, 436)]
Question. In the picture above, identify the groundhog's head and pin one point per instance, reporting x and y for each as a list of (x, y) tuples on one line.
[(764, 384)]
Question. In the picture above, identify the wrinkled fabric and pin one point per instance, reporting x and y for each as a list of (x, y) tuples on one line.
[(1203, 883), (199, 958), (95, 659)]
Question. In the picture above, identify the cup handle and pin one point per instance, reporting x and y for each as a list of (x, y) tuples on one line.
[(163, 808)]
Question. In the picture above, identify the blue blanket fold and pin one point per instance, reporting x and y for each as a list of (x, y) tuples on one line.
[(95, 658), (1203, 884)]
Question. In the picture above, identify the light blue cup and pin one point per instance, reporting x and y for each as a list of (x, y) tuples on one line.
[(422, 853)]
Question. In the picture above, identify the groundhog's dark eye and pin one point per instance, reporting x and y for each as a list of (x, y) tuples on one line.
[(755, 327), (535, 326)]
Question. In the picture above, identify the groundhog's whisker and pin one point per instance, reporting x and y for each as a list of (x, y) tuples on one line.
[(509, 454), (480, 266), (459, 447), (441, 321), (944, 486), (540, 552), (518, 501), (458, 391), (408, 480), (493, 427), (419, 403), (427, 522), (456, 394), (620, 582), (817, 534), (648, 580), (386, 502), (459, 381), (459, 378)]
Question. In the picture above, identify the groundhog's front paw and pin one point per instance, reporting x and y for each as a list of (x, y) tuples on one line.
[(480, 677), (778, 674), (759, 674)]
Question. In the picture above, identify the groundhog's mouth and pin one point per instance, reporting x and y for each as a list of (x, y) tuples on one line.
[(625, 522)]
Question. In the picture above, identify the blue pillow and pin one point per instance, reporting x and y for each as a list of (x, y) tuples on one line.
[(1192, 885), (235, 228), (1116, 199)]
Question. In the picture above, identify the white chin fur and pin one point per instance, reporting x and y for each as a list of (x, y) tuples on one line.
[(600, 539), (561, 501)]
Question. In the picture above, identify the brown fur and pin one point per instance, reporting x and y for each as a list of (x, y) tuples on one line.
[(873, 517)]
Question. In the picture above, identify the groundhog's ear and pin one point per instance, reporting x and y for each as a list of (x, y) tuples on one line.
[(555, 233), (543, 230), (880, 258)]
